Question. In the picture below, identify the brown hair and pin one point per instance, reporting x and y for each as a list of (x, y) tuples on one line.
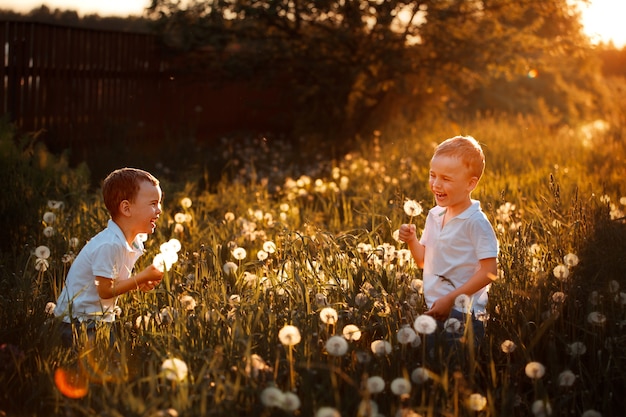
[(467, 149), (123, 184)]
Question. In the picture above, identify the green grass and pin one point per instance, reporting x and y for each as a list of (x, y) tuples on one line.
[(548, 194)]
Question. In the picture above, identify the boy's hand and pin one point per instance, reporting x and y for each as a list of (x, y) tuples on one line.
[(406, 233), (150, 278), (441, 308)]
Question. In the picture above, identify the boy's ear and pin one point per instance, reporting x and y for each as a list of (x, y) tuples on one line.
[(473, 182), (125, 208)]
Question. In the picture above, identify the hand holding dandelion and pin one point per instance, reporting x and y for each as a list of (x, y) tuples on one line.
[(406, 233)]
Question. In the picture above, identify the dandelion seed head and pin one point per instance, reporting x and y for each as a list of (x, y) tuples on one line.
[(400, 386), (535, 370), (289, 335), (420, 375), (412, 208), (596, 318), (328, 315), (174, 369), (417, 285), (239, 253), (380, 347), (570, 260), (463, 303), (561, 272), (541, 408), (425, 324), (272, 397), (269, 246), (508, 346), (188, 302), (42, 252), (559, 297), (351, 332), (361, 299), (453, 326), (375, 384), (229, 217), (567, 378), (41, 264), (576, 349), (613, 286), (49, 217), (406, 335), (327, 412), (185, 202), (476, 402), (50, 306), (291, 402), (229, 268), (591, 413), (337, 346)]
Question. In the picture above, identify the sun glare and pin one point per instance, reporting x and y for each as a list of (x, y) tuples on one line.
[(603, 21)]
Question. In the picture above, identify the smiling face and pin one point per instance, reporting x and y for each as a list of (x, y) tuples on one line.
[(451, 183), (145, 208)]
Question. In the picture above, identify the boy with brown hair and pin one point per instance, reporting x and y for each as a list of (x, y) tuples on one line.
[(102, 271)]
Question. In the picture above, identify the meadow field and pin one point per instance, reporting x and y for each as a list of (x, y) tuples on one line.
[(288, 294)]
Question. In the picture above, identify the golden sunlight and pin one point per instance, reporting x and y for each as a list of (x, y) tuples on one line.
[(603, 21)]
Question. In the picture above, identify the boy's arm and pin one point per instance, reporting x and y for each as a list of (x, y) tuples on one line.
[(407, 234), (440, 309), (145, 280)]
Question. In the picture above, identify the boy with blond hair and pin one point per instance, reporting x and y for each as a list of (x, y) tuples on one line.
[(102, 271), (458, 248)]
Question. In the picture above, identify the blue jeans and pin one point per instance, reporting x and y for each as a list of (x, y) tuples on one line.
[(452, 344)]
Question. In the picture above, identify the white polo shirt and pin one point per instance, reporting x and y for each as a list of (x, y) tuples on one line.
[(452, 252), (106, 255)]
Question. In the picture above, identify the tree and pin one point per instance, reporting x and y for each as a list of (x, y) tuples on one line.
[(341, 60)]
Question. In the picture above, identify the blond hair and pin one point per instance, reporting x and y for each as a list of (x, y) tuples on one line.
[(123, 184), (465, 148)]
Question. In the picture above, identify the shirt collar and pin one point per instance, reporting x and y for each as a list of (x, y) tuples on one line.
[(439, 211), (137, 245)]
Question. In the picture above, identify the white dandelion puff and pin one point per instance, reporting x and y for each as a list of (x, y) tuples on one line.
[(289, 335), (412, 208), (351, 332), (476, 402), (508, 346), (328, 315), (380, 347), (239, 253), (535, 370), (272, 397), (336, 346), (400, 386), (375, 384), (420, 375), (174, 369), (567, 378), (406, 335), (425, 324)]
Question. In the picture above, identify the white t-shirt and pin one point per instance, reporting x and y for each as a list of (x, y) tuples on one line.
[(452, 252), (106, 255)]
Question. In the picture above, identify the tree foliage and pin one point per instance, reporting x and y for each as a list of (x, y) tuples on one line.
[(344, 63)]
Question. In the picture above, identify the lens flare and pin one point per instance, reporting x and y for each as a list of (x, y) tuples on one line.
[(73, 383)]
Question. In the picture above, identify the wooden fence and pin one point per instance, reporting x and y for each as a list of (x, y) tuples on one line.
[(80, 87)]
